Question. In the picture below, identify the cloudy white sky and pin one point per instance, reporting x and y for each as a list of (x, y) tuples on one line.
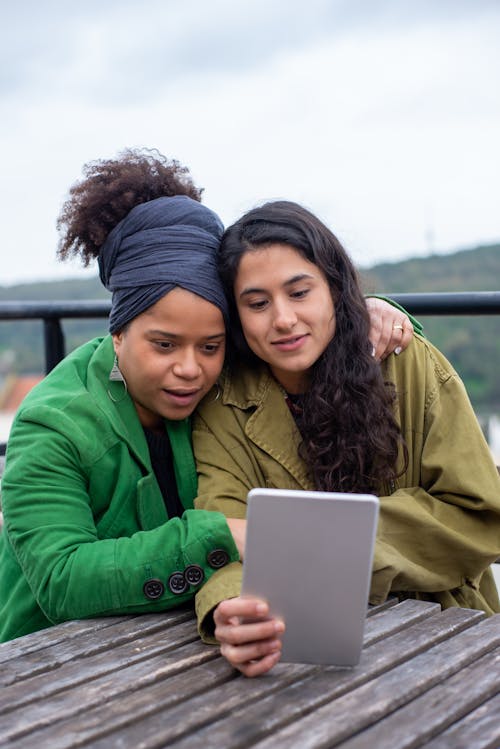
[(383, 116)]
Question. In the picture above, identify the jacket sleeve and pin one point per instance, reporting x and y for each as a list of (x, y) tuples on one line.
[(440, 530), (227, 471), (75, 565)]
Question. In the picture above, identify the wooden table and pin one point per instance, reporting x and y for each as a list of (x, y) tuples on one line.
[(426, 678)]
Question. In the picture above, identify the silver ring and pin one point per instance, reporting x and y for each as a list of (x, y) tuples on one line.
[(398, 327)]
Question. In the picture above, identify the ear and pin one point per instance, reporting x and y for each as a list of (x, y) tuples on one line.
[(117, 342)]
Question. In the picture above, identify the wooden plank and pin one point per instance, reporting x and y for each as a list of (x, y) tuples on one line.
[(110, 724), (89, 642), (75, 672), (47, 637), (480, 729), (78, 628), (425, 717), (138, 632), (247, 709), (376, 609), (337, 721), (403, 615), (21, 721), (115, 709)]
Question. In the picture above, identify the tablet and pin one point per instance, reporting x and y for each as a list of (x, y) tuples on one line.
[(309, 555)]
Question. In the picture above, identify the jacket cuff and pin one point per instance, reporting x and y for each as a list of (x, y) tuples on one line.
[(225, 583)]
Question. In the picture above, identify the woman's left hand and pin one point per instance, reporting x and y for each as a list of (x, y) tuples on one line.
[(390, 329)]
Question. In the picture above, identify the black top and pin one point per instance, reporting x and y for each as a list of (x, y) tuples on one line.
[(162, 461)]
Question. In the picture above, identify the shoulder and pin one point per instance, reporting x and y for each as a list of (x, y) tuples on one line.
[(243, 394), (420, 361), (71, 376), (423, 377), (240, 387), (66, 399)]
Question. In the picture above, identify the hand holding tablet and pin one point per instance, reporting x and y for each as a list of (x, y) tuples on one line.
[(309, 555)]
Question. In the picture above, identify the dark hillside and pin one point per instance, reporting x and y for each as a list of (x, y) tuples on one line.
[(471, 343)]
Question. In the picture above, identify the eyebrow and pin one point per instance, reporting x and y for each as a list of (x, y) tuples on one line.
[(289, 282), (166, 334)]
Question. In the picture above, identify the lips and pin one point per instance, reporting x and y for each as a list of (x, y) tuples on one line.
[(291, 343), (182, 397)]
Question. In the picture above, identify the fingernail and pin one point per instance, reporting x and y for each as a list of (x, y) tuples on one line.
[(398, 350), (261, 608), (279, 626)]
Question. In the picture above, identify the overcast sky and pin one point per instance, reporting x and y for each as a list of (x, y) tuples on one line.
[(382, 116)]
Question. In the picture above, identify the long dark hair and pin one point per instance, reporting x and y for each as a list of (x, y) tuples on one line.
[(350, 437)]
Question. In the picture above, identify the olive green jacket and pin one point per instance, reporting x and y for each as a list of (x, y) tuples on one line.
[(439, 525), (86, 530)]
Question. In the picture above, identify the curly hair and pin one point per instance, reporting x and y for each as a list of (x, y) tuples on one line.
[(350, 437), (109, 190)]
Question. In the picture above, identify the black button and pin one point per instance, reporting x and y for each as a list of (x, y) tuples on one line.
[(177, 583), (194, 574), (217, 558), (153, 589)]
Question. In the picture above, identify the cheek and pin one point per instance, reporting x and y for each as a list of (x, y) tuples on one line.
[(252, 328), (216, 366)]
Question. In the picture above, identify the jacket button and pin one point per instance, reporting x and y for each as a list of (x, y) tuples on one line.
[(194, 574), (217, 558), (177, 583), (153, 589)]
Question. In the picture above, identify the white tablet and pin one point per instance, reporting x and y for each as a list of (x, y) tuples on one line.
[(309, 555)]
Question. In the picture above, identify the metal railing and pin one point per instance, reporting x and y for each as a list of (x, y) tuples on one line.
[(52, 313)]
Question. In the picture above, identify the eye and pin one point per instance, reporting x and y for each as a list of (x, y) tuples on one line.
[(299, 293), (258, 304), (164, 345), (210, 348)]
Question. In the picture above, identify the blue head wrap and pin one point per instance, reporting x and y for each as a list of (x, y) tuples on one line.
[(159, 245)]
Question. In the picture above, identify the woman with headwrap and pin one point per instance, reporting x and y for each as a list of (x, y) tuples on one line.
[(100, 479)]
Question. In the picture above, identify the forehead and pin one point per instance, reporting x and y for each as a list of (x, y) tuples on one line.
[(183, 313), (274, 261)]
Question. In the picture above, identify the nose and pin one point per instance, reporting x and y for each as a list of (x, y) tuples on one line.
[(284, 316), (187, 365)]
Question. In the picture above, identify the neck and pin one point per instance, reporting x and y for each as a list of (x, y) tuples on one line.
[(295, 383)]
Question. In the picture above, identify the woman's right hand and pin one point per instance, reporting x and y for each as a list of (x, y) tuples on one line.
[(238, 528), (249, 638)]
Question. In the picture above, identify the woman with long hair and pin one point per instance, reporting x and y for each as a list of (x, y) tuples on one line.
[(303, 405)]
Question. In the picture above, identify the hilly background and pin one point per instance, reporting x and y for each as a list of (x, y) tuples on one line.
[(471, 343)]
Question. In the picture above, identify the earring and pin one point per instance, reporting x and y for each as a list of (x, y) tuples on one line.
[(217, 395), (116, 376)]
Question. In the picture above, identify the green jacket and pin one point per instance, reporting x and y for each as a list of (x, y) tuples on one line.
[(439, 526), (85, 525)]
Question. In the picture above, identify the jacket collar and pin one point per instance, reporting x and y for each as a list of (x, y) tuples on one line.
[(271, 425), (115, 402)]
